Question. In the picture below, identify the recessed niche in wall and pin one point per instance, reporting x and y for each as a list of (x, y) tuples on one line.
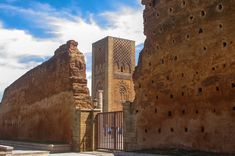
[(150, 63), (155, 110), (224, 44), (139, 85), (233, 85), (136, 111), (156, 97), (187, 36), (183, 3), (224, 65), (183, 111), (196, 72), (204, 48), (152, 81), (182, 74), (219, 7), (199, 90), (157, 14), (169, 113), (167, 77), (203, 13), (172, 129), (233, 108), (175, 58), (196, 112), (182, 93), (171, 96), (200, 30), (170, 10), (191, 18), (202, 129), (162, 61), (157, 47), (159, 130), (220, 26), (213, 68), (217, 88), (214, 110), (173, 41), (186, 129), (146, 131)]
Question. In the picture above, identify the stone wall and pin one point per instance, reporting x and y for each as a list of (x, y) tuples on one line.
[(185, 81), (41, 105)]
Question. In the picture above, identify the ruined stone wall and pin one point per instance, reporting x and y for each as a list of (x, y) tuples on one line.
[(40, 105), (185, 81)]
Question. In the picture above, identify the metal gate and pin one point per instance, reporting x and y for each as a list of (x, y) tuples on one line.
[(110, 130)]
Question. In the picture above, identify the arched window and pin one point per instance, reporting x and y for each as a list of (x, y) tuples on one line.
[(129, 68), (123, 94), (123, 67)]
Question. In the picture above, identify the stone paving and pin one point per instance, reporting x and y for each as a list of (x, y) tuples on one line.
[(104, 154)]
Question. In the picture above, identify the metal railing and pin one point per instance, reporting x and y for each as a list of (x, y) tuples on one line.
[(110, 130)]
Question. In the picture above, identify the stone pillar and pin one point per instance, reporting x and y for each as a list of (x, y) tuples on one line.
[(84, 130), (129, 127), (100, 100)]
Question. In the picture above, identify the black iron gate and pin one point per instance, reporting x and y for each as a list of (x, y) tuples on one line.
[(110, 130)]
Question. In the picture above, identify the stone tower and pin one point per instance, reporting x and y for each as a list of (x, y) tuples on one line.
[(113, 63)]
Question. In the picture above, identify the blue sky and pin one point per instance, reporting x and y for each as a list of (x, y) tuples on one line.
[(31, 30)]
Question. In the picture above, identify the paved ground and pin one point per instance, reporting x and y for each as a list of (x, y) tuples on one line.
[(104, 154), (83, 154)]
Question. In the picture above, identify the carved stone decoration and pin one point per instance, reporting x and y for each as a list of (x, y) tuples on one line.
[(122, 92)]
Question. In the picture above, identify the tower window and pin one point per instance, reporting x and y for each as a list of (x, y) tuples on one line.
[(121, 69)]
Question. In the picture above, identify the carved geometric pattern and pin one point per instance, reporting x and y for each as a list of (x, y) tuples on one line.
[(99, 55), (122, 51)]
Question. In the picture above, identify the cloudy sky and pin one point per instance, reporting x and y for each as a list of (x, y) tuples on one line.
[(31, 30)]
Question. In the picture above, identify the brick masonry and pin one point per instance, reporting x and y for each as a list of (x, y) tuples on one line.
[(185, 81), (42, 105)]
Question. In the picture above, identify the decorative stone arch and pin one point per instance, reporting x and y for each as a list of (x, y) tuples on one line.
[(128, 66), (122, 67), (116, 66), (122, 92)]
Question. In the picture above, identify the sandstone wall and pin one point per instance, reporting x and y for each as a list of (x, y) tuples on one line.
[(40, 105), (185, 79)]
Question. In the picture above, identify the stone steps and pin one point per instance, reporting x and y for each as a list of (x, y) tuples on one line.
[(53, 148)]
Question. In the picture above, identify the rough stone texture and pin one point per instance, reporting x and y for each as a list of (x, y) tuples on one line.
[(113, 63), (185, 81), (40, 105)]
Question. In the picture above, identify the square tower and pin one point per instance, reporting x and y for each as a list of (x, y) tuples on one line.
[(113, 63)]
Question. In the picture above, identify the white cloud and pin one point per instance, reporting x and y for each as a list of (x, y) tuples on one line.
[(124, 23)]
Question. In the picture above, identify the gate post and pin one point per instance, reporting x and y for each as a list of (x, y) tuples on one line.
[(129, 127), (84, 130)]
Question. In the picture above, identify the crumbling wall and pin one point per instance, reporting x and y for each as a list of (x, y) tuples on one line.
[(40, 105), (185, 79)]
